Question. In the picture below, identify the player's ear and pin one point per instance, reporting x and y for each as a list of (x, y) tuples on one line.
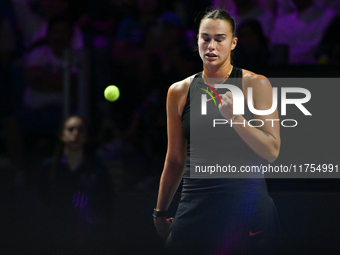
[(234, 43)]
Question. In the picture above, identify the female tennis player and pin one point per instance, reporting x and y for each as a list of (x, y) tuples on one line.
[(232, 214)]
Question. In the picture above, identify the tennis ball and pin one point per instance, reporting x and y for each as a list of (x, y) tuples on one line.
[(111, 93)]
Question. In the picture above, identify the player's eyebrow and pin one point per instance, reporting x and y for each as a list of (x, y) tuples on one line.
[(214, 35)]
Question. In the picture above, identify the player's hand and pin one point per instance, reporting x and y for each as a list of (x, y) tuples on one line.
[(226, 108), (162, 225)]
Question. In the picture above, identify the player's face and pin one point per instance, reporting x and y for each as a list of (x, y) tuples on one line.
[(74, 136), (215, 42)]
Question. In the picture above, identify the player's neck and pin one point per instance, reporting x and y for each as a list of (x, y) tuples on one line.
[(218, 77), (217, 72)]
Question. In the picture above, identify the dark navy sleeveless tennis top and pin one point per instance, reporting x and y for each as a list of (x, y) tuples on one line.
[(216, 214), (215, 145)]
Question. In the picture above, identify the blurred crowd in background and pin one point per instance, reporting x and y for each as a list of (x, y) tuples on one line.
[(59, 172), (142, 46)]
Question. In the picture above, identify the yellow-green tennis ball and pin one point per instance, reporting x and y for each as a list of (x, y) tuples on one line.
[(111, 93)]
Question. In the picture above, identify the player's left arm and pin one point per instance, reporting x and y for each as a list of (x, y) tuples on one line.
[(265, 139)]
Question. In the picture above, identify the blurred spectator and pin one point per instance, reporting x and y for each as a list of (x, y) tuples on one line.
[(102, 18), (252, 49), (129, 48), (242, 10), (129, 53), (78, 192), (329, 49), (33, 17), (169, 56), (43, 94), (302, 30)]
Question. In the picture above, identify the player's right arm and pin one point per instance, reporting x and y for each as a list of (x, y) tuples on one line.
[(176, 152)]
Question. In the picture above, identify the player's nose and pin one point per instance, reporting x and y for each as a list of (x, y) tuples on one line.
[(212, 45)]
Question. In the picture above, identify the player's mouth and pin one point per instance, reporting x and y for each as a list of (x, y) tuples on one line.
[(211, 56)]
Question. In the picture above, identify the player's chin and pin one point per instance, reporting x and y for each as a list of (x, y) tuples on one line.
[(212, 63)]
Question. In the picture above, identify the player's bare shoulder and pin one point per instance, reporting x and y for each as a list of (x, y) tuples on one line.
[(256, 81), (180, 87), (178, 93)]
